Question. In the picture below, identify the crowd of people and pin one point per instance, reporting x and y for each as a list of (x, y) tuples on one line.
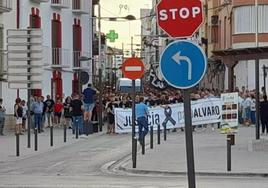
[(76, 110)]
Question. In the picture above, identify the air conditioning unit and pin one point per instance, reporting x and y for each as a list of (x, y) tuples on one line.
[(214, 20)]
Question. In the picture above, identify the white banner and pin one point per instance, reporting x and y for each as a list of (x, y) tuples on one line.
[(204, 111)]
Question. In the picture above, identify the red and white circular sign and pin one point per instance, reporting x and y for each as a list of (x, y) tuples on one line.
[(133, 68), (179, 18)]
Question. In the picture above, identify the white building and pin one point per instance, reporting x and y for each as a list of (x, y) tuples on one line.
[(67, 34)]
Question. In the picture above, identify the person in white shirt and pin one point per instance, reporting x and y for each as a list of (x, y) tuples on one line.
[(246, 109), (253, 108)]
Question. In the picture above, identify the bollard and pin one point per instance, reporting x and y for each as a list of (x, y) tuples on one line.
[(17, 144), (29, 135), (64, 132), (151, 137), (228, 154), (76, 130), (158, 134), (165, 132), (90, 127), (135, 154), (143, 146), (51, 135), (230, 143), (35, 140)]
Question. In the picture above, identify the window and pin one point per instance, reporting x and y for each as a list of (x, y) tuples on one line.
[(245, 19)]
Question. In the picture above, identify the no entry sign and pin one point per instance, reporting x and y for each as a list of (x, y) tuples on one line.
[(179, 18), (133, 68)]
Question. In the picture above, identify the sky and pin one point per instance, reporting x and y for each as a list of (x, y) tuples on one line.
[(126, 29)]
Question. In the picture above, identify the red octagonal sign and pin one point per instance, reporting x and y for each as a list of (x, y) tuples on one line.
[(179, 18)]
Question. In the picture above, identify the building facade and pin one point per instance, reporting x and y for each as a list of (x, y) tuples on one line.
[(67, 35), (238, 35)]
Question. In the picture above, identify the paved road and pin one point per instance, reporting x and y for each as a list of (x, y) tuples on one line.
[(84, 164)]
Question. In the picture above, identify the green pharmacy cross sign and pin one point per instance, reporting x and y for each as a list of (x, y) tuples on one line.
[(112, 35)]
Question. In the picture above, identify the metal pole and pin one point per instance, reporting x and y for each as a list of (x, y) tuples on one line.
[(151, 137), (76, 129), (35, 140), (156, 47), (257, 64), (100, 100), (229, 163), (257, 76), (165, 132), (29, 119), (64, 133), (100, 78), (134, 140), (158, 134), (189, 139), (143, 146), (17, 144), (51, 135)]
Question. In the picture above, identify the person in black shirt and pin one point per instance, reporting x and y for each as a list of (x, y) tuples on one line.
[(76, 109), (49, 103), (18, 113), (124, 103), (67, 114), (264, 114), (150, 102), (110, 114)]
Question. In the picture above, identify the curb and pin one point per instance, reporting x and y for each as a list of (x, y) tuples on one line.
[(225, 174)]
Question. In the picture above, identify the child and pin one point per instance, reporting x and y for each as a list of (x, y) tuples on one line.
[(57, 111)]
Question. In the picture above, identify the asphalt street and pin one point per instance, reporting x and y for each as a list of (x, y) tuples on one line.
[(92, 163)]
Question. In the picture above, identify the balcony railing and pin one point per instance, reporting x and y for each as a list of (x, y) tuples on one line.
[(80, 6), (3, 64), (39, 1), (77, 64), (56, 58), (60, 4), (5, 6)]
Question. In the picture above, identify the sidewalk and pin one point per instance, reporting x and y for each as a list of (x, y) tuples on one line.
[(210, 155), (8, 143)]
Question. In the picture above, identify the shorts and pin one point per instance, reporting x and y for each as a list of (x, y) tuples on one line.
[(18, 120), (57, 114), (88, 107)]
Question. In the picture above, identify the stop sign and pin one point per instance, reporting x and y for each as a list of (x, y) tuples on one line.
[(133, 68), (179, 18)]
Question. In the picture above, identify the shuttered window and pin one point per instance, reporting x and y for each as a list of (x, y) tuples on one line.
[(245, 19)]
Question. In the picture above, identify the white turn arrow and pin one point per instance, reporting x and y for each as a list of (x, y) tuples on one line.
[(178, 58)]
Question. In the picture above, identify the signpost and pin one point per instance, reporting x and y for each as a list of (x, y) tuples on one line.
[(183, 64), (25, 65), (133, 69)]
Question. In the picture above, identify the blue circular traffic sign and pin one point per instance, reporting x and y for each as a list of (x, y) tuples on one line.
[(183, 64)]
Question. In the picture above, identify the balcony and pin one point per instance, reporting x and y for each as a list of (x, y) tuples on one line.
[(60, 4), (3, 64), (56, 58), (5, 6), (80, 6), (40, 1), (78, 64)]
